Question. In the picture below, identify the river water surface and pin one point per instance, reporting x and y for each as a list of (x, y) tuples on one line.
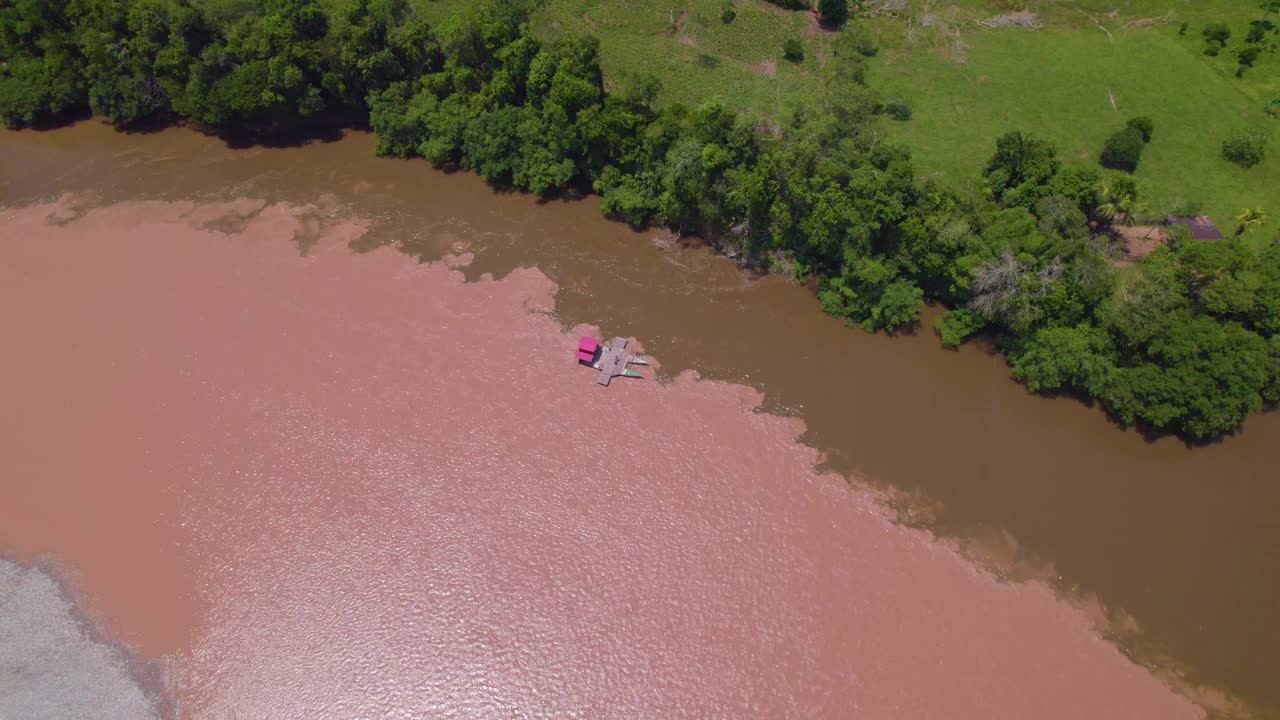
[(252, 451)]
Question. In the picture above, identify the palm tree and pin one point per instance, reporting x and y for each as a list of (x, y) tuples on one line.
[(1117, 195), (1249, 219)]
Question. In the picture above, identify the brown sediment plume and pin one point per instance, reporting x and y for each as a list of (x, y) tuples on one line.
[(337, 485)]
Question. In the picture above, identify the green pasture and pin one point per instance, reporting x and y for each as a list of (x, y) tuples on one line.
[(1073, 83), (695, 55)]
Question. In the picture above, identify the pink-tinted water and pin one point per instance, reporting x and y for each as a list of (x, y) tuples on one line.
[(369, 489)]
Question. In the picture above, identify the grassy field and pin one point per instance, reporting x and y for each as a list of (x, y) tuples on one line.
[(968, 83), (1075, 82), (685, 44)]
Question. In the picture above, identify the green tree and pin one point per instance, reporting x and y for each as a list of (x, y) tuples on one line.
[(1203, 379), (1117, 195), (871, 292), (1058, 358), (1216, 32), (42, 71), (957, 325), (1020, 169), (1061, 221), (1249, 219), (1247, 55), (1148, 306), (1080, 182), (491, 142), (1123, 150), (855, 39), (834, 13), (268, 70), (379, 42), (1144, 125)]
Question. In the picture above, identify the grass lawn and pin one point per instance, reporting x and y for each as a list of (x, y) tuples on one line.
[(696, 56), (1058, 83)]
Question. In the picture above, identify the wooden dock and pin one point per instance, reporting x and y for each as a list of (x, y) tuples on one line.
[(614, 360)]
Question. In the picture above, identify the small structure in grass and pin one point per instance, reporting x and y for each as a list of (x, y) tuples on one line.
[(1200, 226)]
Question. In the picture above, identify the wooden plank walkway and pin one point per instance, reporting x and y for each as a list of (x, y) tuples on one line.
[(613, 361)]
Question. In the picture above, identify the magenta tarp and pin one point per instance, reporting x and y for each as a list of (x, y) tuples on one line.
[(587, 344), (585, 356)]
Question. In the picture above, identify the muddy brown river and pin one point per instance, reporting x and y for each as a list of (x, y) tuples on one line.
[(137, 365)]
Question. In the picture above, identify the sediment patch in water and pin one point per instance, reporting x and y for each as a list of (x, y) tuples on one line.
[(51, 665)]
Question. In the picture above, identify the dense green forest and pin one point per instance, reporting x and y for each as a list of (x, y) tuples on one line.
[(1188, 340)]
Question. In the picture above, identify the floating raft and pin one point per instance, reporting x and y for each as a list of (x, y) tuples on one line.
[(611, 360)]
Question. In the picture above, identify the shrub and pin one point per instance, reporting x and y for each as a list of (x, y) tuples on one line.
[(1256, 33), (1216, 32), (856, 39), (1183, 206), (1213, 48), (834, 13), (1248, 55), (1182, 29), (1143, 125), (793, 50), (792, 4), (898, 109), (1123, 150), (1244, 149), (727, 13)]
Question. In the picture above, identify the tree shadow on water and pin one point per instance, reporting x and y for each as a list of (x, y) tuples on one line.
[(56, 122), (276, 137)]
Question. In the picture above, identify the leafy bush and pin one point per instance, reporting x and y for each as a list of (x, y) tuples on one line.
[(1245, 149), (834, 13), (1123, 150), (1212, 48), (1019, 173), (727, 13), (793, 50), (1248, 54), (958, 325), (1256, 33), (899, 109), (1216, 32), (1143, 125), (1182, 29), (792, 4), (856, 39)]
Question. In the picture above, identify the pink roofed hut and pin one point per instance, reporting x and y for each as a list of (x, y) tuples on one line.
[(587, 347)]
